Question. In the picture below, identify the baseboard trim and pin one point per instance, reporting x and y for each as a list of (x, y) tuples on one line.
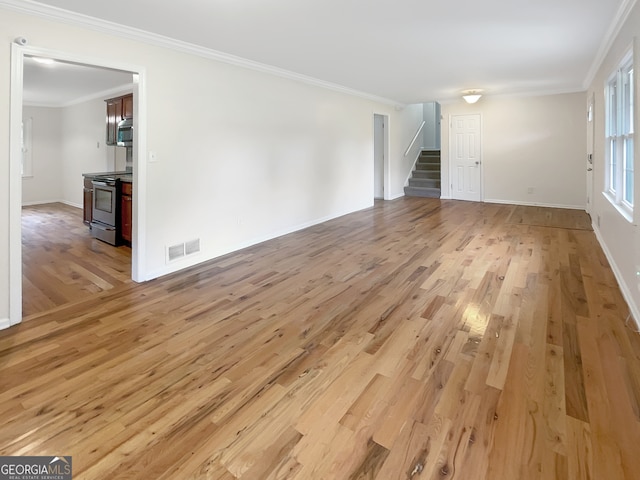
[(535, 204), (524, 204), (4, 323), (206, 256), (40, 202), (45, 202), (624, 288), (75, 205)]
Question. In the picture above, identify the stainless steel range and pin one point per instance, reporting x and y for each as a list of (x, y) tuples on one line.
[(105, 210)]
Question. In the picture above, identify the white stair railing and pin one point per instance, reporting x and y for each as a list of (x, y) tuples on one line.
[(414, 139)]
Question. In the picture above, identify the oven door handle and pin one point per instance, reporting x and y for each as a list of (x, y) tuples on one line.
[(101, 184)]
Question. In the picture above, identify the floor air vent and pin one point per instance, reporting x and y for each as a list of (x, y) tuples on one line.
[(175, 252)]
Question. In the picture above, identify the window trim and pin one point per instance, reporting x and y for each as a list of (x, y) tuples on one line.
[(619, 132)]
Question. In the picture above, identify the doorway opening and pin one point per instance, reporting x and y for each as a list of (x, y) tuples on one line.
[(69, 162), (380, 156)]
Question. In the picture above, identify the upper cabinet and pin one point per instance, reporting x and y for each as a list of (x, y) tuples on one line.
[(118, 109), (127, 106)]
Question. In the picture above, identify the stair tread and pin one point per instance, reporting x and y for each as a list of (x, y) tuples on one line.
[(426, 173), (425, 178), (424, 182), (422, 192)]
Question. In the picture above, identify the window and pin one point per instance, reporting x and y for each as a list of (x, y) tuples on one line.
[(619, 137), (25, 138)]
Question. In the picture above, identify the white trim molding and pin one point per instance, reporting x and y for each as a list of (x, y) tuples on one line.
[(534, 204), (614, 29), (103, 26), (111, 92), (4, 323), (138, 254), (15, 187), (624, 288)]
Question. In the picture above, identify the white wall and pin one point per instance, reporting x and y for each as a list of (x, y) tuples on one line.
[(242, 155), (45, 183), (83, 147), (527, 142), (619, 237), (403, 130), (67, 142), (432, 132)]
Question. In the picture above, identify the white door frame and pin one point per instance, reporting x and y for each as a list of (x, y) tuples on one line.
[(590, 150), (138, 254), (386, 181), (451, 155)]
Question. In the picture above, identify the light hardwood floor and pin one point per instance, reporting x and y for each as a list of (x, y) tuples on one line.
[(62, 263), (418, 339)]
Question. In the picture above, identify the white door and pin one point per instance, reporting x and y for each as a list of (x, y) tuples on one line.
[(590, 139), (378, 155), (466, 164)]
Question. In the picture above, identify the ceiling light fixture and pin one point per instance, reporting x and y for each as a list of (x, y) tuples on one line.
[(471, 96)]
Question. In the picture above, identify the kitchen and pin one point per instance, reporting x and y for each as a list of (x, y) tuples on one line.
[(64, 136), (107, 196)]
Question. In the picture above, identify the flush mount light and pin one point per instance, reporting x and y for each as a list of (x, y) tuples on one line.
[(44, 61), (471, 96)]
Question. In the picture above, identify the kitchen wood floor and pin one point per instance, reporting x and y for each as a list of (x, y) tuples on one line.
[(62, 263), (418, 339)]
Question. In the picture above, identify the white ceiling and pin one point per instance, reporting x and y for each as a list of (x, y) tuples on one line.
[(408, 51), (63, 83)]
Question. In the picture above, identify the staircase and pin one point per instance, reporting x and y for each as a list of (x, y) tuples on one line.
[(425, 178)]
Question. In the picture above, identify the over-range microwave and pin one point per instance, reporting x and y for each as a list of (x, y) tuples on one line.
[(124, 134)]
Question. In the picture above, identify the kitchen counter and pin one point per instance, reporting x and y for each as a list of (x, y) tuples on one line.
[(124, 176)]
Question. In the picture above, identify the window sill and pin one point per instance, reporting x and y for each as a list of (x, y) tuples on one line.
[(624, 211)]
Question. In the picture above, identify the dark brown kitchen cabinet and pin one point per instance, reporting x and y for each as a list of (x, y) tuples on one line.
[(126, 214), (127, 106), (87, 201), (118, 109), (112, 120)]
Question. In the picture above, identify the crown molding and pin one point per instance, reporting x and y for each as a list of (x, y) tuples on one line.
[(111, 92), (614, 29), (56, 14)]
